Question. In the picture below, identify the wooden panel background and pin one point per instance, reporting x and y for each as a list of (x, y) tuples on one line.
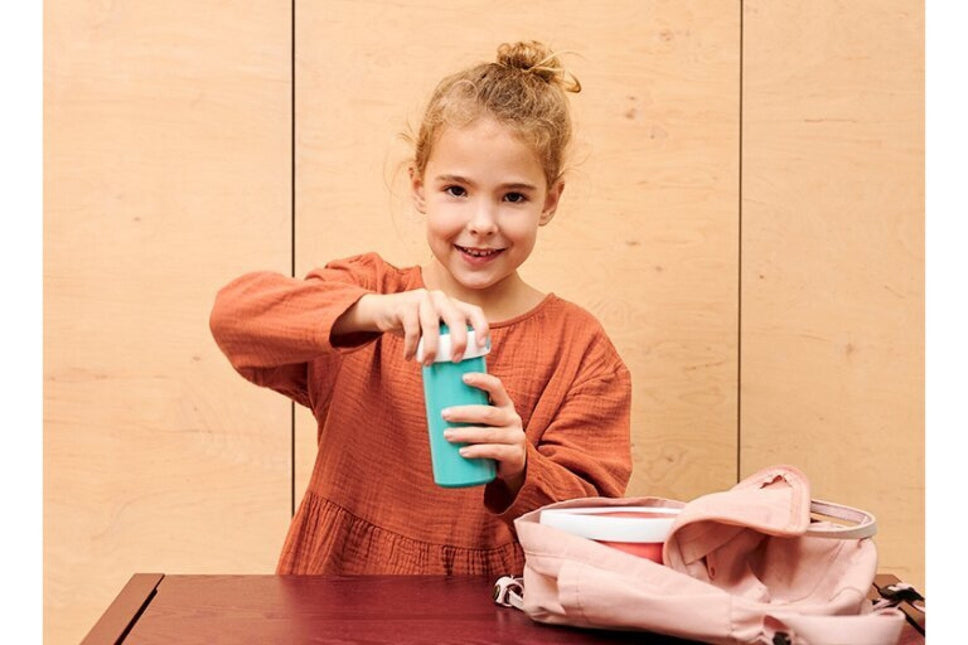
[(167, 173), (833, 257), (645, 237)]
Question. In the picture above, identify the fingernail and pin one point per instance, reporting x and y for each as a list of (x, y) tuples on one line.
[(448, 434), (467, 378), (445, 413), (463, 452)]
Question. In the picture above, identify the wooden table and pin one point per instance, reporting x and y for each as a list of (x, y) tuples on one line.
[(158, 608)]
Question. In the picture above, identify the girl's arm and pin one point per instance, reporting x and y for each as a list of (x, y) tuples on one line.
[(584, 452), (270, 326)]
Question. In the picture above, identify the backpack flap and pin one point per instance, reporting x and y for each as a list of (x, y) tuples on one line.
[(757, 542), (775, 501)]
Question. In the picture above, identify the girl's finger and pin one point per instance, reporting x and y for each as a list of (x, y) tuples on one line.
[(410, 323), (429, 328), (511, 458), (456, 322), (492, 385), (475, 316), (484, 415)]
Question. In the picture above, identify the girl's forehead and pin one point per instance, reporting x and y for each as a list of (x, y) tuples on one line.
[(484, 125), (485, 131), (484, 140)]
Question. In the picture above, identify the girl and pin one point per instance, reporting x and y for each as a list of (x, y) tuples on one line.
[(486, 174)]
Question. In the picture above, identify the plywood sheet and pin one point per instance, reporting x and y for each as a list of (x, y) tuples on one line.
[(167, 173), (832, 373)]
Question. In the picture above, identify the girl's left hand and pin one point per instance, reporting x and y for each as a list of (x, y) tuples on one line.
[(495, 431)]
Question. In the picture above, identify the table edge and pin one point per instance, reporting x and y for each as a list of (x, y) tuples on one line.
[(123, 612)]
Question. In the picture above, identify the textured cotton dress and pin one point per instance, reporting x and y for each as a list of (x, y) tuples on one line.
[(371, 506)]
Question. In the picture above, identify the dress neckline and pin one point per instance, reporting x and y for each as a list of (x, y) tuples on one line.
[(416, 282)]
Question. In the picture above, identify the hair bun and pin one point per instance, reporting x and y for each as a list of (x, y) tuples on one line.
[(535, 58)]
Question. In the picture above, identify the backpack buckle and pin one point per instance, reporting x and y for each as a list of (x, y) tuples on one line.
[(508, 592)]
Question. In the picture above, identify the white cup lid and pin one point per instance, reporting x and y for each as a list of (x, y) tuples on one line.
[(444, 349), (599, 523)]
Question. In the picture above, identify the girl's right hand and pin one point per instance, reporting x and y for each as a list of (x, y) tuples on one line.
[(418, 313)]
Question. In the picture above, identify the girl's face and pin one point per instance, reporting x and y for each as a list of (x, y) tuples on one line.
[(485, 194)]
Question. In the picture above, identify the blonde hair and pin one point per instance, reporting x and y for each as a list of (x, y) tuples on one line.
[(523, 89)]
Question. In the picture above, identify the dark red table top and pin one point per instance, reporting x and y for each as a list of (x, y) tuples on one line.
[(158, 608)]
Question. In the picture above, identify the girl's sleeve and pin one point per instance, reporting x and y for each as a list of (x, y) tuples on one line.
[(270, 325), (584, 452)]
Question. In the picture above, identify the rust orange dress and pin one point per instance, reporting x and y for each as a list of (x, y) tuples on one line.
[(371, 505)]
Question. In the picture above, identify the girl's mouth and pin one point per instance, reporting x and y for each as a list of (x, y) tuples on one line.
[(478, 254)]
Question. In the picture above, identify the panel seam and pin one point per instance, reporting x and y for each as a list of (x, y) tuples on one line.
[(739, 261), (292, 233)]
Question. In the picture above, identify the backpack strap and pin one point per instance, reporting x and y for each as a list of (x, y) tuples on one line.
[(878, 627), (905, 597), (861, 523)]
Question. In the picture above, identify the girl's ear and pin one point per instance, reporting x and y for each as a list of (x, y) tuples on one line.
[(417, 191), (551, 203)]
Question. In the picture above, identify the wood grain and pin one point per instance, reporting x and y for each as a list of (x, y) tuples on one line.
[(364, 609), (833, 257), (167, 173), (356, 609)]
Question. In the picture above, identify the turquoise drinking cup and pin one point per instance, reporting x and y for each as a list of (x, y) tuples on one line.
[(443, 388)]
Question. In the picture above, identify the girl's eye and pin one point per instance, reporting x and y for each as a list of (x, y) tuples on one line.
[(455, 191), (515, 198)]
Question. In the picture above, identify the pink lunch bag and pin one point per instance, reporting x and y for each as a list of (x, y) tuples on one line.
[(746, 565)]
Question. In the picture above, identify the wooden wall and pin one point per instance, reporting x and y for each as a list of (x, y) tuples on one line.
[(744, 213), (832, 369), (167, 172)]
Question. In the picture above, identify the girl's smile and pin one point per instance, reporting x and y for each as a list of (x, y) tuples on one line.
[(478, 257), (485, 194)]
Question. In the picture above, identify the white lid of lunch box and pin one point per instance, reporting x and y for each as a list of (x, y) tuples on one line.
[(596, 523)]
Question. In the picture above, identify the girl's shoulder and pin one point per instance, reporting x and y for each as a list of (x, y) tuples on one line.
[(555, 317), (566, 332), (370, 271)]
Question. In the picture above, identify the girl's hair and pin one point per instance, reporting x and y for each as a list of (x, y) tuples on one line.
[(523, 89)]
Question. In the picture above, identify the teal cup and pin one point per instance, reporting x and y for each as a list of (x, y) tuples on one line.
[(443, 388)]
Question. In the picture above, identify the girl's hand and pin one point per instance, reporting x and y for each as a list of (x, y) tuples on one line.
[(417, 313), (495, 431)]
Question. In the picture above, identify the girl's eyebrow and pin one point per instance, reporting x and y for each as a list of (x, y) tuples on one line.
[(519, 186), (458, 179), (452, 179)]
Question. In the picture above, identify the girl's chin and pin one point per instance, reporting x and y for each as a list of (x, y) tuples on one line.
[(474, 283), (475, 280), (460, 275)]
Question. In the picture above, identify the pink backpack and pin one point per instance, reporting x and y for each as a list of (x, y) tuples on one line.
[(747, 565)]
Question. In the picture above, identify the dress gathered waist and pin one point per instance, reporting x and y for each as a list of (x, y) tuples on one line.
[(328, 539)]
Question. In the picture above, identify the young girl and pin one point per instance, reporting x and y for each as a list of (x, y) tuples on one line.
[(486, 174)]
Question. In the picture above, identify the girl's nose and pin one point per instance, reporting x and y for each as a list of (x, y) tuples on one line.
[(484, 219)]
